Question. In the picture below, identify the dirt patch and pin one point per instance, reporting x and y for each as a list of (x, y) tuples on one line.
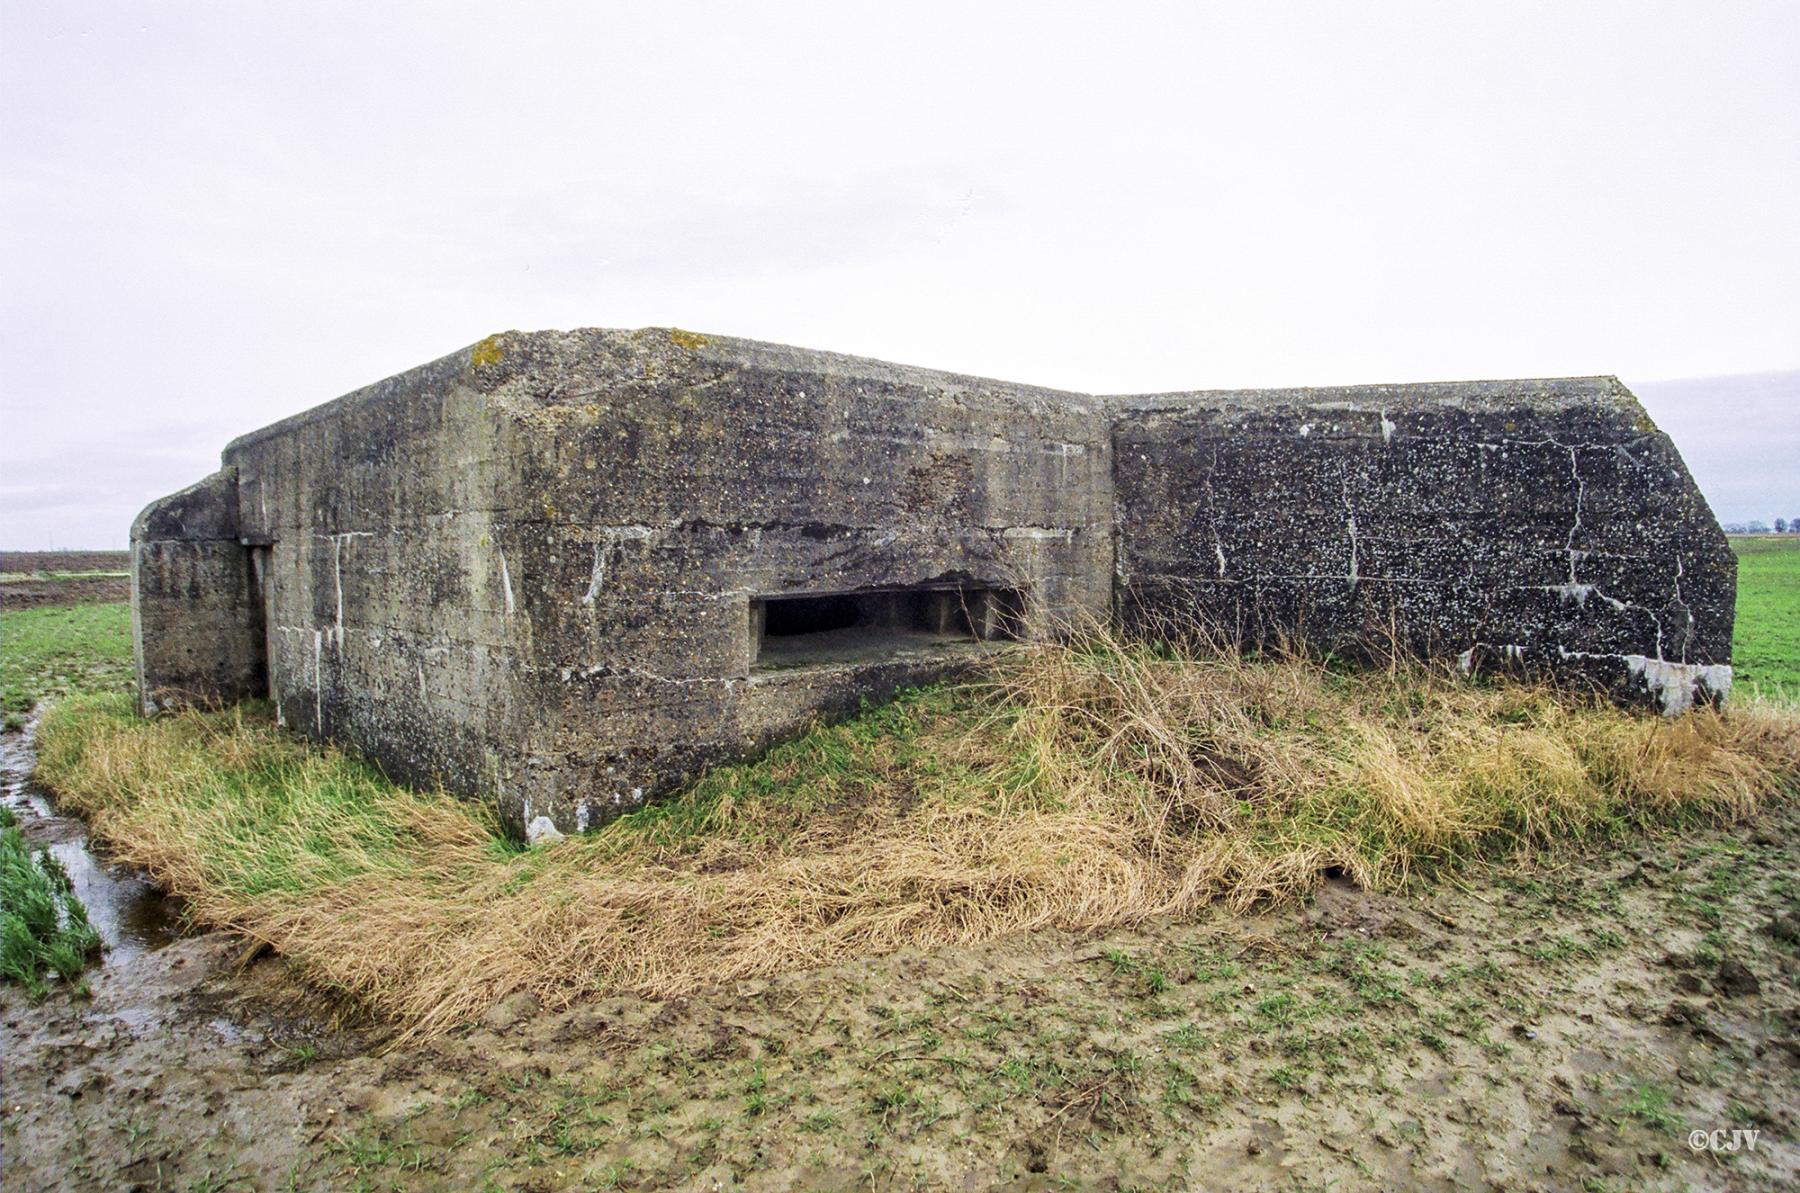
[(86, 590), (1535, 1031), (12, 562)]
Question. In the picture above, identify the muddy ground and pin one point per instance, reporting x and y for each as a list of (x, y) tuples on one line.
[(81, 590), (32, 579), (1564, 1029), (12, 562)]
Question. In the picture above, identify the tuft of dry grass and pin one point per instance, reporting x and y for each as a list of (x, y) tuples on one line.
[(1082, 785)]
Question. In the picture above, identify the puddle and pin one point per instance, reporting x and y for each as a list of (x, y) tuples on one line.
[(132, 915)]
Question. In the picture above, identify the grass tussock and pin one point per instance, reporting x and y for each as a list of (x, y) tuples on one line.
[(44, 929), (1080, 786)]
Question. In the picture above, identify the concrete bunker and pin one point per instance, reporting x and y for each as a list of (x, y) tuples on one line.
[(567, 571)]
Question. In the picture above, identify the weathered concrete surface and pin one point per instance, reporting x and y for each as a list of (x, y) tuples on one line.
[(535, 570), (1544, 525), (528, 570), (196, 612)]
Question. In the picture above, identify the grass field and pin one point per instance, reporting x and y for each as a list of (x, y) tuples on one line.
[(1766, 644), (52, 652)]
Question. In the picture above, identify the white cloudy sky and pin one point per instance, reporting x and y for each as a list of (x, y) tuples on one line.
[(216, 214)]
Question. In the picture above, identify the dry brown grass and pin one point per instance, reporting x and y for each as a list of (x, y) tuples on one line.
[(1079, 786)]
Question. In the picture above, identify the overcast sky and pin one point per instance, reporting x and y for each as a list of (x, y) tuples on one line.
[(217, 214)]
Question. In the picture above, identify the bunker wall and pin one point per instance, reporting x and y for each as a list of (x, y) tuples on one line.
[(681, 481), (196, 612), (1546, 526), (532, 571), (385, 592)]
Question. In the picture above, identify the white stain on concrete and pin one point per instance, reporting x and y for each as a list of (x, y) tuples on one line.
[(1513, 652), (1573, 592), (610, 539), (337, 572), (596, 580), (1678, 686)]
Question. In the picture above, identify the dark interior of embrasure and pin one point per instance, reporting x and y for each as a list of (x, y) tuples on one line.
[(852, 627)]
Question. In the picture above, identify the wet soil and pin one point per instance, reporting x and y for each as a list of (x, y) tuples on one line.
[(85, 590), (26, 562), (1560, 1029)]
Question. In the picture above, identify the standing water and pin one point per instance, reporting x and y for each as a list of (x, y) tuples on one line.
[(131, 914)]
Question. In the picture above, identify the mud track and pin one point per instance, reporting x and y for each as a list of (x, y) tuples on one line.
[(86, 590)]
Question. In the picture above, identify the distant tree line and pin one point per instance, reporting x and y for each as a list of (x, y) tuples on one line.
[(1782, 526)]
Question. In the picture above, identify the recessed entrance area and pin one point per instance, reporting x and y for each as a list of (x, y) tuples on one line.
[(840, 627)]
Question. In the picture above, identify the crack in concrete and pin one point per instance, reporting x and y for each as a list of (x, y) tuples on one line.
[(1350, 524)]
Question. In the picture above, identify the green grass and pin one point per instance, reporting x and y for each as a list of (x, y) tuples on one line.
[(52, 652), (1766, 645), (44, 930), (950, 816)]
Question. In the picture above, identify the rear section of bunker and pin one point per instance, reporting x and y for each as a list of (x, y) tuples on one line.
[(566, 571)]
